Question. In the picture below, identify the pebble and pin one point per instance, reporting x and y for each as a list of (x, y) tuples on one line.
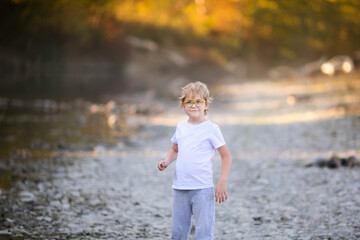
[(5, 233), (27, 197)]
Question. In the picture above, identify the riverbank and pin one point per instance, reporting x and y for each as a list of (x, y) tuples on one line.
[(114, 191)]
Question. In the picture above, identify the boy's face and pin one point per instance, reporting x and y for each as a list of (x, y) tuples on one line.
[(195, 106)]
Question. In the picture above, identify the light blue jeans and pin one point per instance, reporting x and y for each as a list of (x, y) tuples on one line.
[(201, 204)]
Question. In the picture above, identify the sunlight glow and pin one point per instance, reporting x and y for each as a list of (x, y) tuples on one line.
[(347, 66), (237, 118), (112, 120), (281, 102), (328, 68), (286, 118)]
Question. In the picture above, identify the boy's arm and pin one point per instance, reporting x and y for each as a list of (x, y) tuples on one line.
[(220, 192), (170, 157)]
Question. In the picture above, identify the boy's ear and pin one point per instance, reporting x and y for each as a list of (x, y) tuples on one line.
[(182, 104), (207, 103)]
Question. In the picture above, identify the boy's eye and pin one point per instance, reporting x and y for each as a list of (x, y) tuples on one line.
[(197, 103)]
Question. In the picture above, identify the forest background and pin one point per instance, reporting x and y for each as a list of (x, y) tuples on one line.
[(56, 48)]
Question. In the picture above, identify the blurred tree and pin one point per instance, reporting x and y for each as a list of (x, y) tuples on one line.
[(28, 24), (39, 39), (270, 29), (263, 32)]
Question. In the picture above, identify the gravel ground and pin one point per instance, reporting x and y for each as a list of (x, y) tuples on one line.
[(118, 193)]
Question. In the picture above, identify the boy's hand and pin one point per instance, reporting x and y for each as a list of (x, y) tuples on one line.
[(162, 165), (220, 192)]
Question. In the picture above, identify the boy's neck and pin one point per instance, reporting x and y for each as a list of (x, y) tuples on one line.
[(196, 120)]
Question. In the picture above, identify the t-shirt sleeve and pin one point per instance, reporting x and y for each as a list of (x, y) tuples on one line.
[(217, 139), (174, 139)]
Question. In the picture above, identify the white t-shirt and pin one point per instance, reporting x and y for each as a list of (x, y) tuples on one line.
[(197, 144)]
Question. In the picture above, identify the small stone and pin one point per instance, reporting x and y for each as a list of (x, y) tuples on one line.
[(57, 204), (258, 220), (5, 233), (284, 218), (320, 162), (9, 220), (47, 219), (27, 197), (334, 162), (349, 162)]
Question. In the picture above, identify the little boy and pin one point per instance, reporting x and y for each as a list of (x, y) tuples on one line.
[(194, 144)]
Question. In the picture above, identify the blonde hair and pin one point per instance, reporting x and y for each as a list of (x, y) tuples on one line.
[(192, 89)]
